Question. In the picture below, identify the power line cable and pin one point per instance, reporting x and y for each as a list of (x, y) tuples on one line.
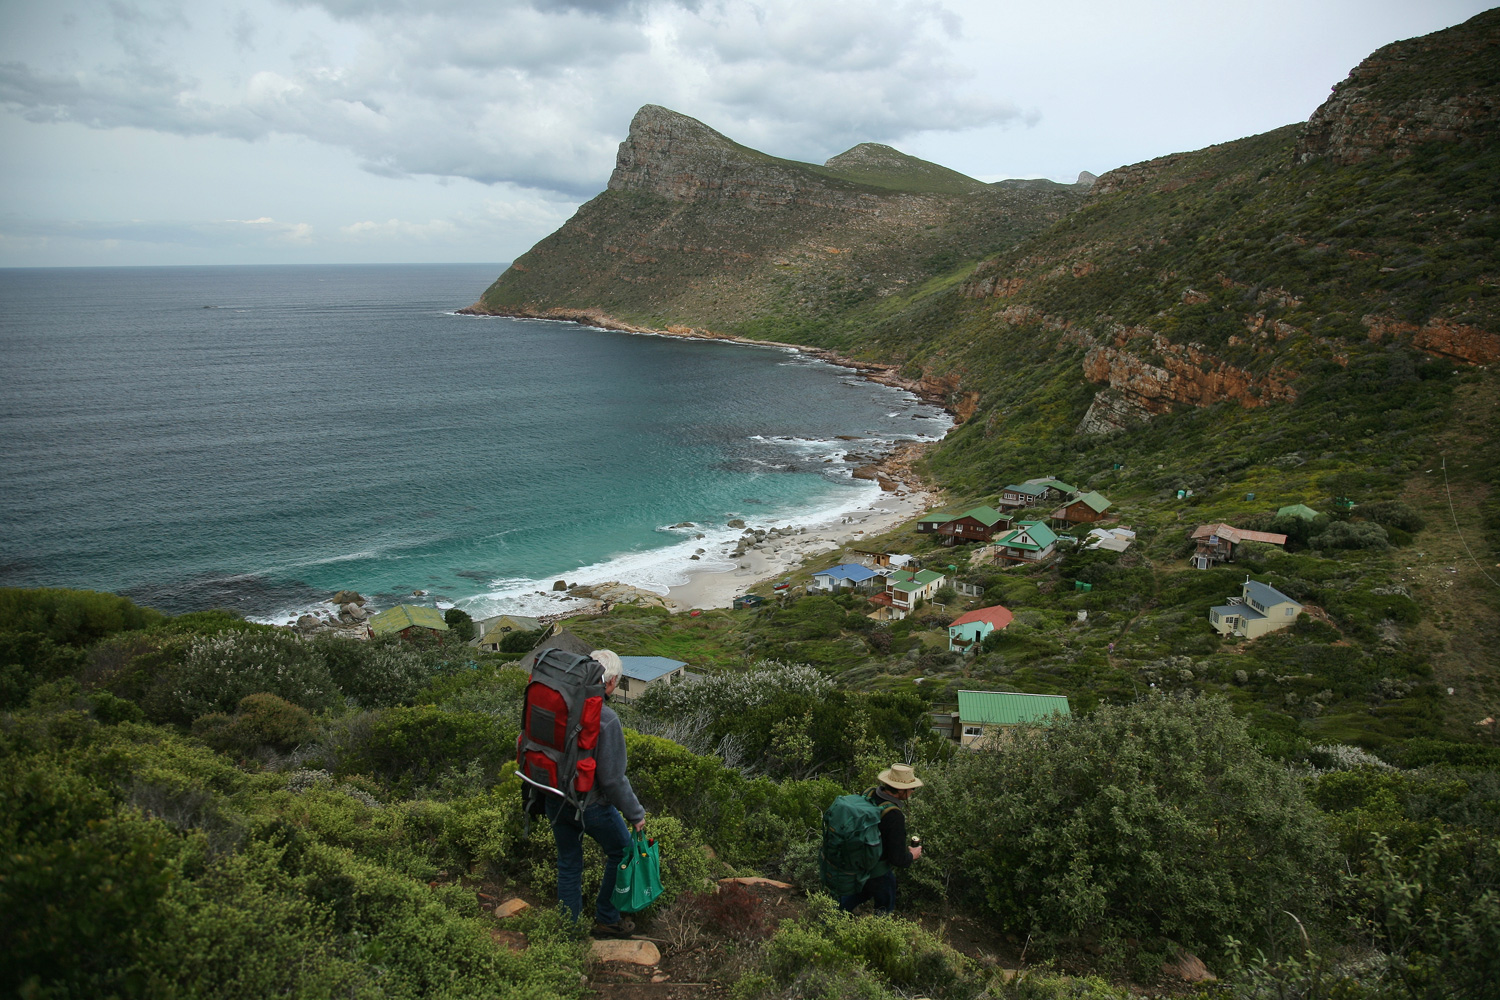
[(1453, 512)]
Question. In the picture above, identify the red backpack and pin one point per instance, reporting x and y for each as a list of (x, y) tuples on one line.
[(559, 731)]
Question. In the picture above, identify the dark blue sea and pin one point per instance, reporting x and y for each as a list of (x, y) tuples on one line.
[(258, 437)]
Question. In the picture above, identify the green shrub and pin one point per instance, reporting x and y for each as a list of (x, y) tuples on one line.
[(217, 671), (411, 747), (261, 720), (379, 672), (31, 658), (71, 617), (1157, 821)]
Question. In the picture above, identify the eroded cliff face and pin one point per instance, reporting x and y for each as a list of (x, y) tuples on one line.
[(1443, 86)]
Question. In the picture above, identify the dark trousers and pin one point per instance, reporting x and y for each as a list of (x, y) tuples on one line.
[(605, 824), (881, 888)]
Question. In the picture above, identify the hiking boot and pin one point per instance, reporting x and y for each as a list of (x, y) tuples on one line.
[(623, 928)]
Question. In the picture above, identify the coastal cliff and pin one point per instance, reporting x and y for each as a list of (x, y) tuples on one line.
[(695, 231)]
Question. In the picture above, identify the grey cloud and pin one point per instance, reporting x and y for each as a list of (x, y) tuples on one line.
[(537, 97)]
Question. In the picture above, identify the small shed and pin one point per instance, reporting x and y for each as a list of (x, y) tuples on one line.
[(641, 672), (987, 715), (747, 601), (406, 619)]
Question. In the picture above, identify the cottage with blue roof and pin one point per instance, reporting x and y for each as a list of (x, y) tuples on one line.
[(1259, 609), (640, 672), (845, 576)]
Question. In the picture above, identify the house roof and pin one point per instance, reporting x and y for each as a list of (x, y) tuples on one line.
[(1027, 489), (1094, 500), (996, 616), (505, 624), (937, 518), (1041, 536), (907, 580), (1056, 484), (1236, 535), (986, 516), (649, 668), (1244, 611), (853, 572), (1301, 510), (404, 616), (1266, 595), (1009, 708)]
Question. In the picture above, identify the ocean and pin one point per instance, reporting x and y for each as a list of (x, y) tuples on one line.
[(257, 438)]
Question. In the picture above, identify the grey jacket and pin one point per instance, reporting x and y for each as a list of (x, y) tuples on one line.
[(610, 783)]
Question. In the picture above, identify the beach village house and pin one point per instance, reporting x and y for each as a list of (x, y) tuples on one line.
[(968, 630), (407, 620), (903, 589), (1259, 609), (1031, 541), (1216, 543), (977, 525), (983, 716), (641, 672), (847, 576)]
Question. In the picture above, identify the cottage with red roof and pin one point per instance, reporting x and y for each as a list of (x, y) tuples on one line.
[(969, 630)]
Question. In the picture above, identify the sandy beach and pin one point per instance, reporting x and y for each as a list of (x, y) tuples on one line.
[(901, 500)]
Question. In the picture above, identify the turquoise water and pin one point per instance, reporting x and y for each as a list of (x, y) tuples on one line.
[(259, 437)]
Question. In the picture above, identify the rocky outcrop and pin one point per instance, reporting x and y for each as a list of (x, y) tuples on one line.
[(1159, 375), (1441, 87), (681, 159), (1440, 337)]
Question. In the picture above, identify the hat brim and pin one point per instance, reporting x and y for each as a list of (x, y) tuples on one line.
[(889, 780)]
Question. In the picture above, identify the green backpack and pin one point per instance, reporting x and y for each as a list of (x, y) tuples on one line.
[(851, 853)]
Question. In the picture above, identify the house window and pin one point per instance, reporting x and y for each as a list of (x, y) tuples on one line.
[(1291, 611), (973, 730)]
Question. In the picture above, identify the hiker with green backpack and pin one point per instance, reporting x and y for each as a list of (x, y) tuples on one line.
[(864, 841)]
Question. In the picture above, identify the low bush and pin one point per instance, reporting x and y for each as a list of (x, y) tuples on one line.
[(261, 720)]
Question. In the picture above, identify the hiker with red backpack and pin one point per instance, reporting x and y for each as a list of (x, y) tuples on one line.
[(864, 841), (572, 755)]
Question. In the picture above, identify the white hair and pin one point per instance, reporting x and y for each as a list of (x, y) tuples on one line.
[(610, 661)]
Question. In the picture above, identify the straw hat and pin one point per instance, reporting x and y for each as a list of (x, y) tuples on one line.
[(899, 776)]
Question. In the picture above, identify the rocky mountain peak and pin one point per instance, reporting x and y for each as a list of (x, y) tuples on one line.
[(672, 156), (1440, 87)]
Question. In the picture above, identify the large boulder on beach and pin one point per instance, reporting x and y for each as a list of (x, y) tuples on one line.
[(347, 597), (307, 622)]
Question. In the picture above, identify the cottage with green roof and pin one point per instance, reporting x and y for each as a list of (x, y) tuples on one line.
[(1023, 495), (404, 619), (977, 525), (933, 521), (1031, 541), (903, 589), (988, 715), (1082, 510)]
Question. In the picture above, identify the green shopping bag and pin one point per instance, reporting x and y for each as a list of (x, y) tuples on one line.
[(638, 880)]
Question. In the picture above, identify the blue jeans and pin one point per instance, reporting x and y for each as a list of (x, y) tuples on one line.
[(605, 824), (881, 888)]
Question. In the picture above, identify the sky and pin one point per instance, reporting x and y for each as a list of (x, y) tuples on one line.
[(154, 132)]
